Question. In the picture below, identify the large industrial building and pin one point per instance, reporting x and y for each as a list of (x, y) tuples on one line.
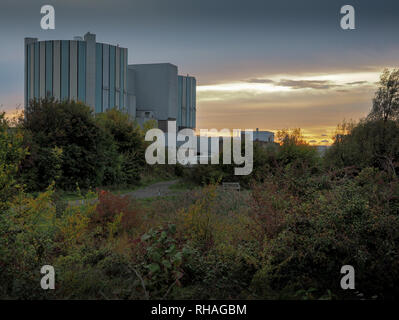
[(98, 74)]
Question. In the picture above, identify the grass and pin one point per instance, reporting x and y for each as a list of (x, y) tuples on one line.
[(183, 185), (117, 190), (148, 202), (75, 195)]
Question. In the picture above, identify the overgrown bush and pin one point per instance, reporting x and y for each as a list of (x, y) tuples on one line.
[(69, 145), (114, 215), (299, 218), (11, 154), (129, 141), (345, 225), (65, 145)]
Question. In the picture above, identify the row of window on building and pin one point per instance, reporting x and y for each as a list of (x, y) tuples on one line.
[(58, 68)]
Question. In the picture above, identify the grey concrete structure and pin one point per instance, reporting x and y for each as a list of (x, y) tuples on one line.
[(91, 68), (79, 69), (98, 75), (187, 92), (42, 69), (155, 88), (73, 70), (260, 136), (57, 69)]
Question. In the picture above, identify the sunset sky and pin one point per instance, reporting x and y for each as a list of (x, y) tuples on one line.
[(258, 63)]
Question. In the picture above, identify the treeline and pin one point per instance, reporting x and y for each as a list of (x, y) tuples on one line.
[(368, 143), (65, 143), (372, 142)]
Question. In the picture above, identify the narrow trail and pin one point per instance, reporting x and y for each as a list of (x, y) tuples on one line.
[(159, 189)]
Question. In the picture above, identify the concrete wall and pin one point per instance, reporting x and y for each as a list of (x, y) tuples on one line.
[(187, 89), (131, 94), (90, 69), (57, 70), (263, 136), (155, 88), (80, 70), (98, 74)]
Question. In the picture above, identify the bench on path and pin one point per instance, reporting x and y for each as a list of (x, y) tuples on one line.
[(231, 186)]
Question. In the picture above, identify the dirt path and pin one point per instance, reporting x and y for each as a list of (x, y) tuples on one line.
[(160, 189)]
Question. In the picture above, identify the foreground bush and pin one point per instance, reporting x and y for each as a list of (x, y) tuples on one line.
[(11, 154), (273, 242), (349, 224), (69, 145), (65, 145)]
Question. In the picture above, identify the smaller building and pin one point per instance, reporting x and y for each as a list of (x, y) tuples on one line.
[(186, 101), (144, 116), (155, 88), (260, 136)]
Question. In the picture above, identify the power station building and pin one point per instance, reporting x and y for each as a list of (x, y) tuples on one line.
[(98, 75), (186, 117)]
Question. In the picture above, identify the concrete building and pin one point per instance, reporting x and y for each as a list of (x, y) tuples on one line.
[(186, 102), (260, 136), (79, 69), (98, 74), (155, 88), (163, 95)]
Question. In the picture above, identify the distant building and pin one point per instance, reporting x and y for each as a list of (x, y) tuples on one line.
[(98, 74), (144, 116), (155, 88), (79, 69), (260, 136), (186, 102), (322, 149)]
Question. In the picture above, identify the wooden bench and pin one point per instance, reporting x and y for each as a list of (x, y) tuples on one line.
[(231, 186)]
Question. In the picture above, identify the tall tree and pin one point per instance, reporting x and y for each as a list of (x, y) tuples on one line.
[(66, 146), (11, 154), (386, 100)]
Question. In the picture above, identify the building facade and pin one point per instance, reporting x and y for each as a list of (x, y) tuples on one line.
[(187, 93), (80, 69), (155, 88), (260, 136), (98, 75)]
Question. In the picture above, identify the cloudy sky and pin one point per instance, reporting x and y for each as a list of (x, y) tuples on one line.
[(258, 63)]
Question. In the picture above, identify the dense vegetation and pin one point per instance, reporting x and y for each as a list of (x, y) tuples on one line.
[(301, 218), (70, 146)]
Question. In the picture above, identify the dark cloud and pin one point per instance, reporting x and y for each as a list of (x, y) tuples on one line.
[(307, 84), (356, 83), (260, 81), (297, 84), (324, 141)]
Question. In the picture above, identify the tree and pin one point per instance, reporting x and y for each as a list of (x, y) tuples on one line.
[(368, 144), (11, 154), (386, 100), (129, 142), (295, 151), (66, 145), (291, 137), (148, 125)]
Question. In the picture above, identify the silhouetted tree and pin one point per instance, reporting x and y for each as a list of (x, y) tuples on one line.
[(386, 100)]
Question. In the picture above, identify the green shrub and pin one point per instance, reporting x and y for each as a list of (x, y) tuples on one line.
[(344, 225), (11, 154)]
